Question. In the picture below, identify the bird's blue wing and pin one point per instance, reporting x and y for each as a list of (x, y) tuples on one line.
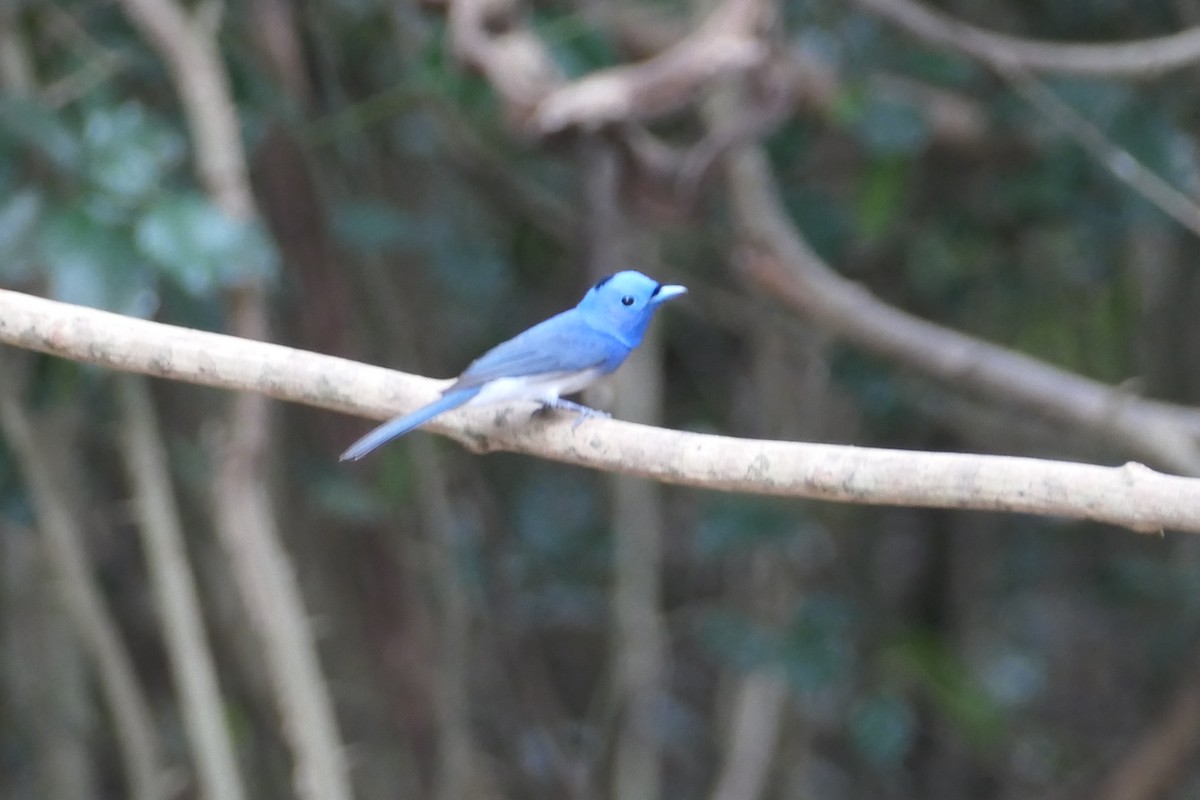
[(563, 343)]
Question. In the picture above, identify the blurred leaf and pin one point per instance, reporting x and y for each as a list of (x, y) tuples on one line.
[(943, 68), (20, 214), (732, 524), (37, 127), (816, 648), (883, 727), (849, 105), (437, 70), (1155, 140), (823, 218), (1012, 678), (925, 662), (557, 524), (933, 264), (576, 45), (736, 641), (90, 263), (200, 247), (128, 151), (1049, 184), (343, 497), (879, 395), (1099, 101), (881, 196), (374, 227), (887, 127)]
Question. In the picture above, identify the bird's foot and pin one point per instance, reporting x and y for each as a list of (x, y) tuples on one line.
[(583, 412)]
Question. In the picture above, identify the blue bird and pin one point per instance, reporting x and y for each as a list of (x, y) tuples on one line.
[(560, 356)]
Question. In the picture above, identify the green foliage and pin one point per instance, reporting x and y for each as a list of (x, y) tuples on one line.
[(817, 647), (883, 727), (112, 226), (128, 154), (19, 215), (201, 248), (26, 124), (925, 663), (577, 47), (887, 127), (90, 262), (882, 194), (813, 651), (560, 553), (739, 524)]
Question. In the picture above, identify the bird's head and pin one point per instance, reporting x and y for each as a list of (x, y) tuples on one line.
[(625, 302)]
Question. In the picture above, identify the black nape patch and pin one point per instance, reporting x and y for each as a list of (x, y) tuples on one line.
[(603, 281)]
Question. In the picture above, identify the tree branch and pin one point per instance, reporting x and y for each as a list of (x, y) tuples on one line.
[(63, 538), (1143, 58), (1131, 496), (1118, 161), (518, 66), (727, 41), (181, 616), (777, 259)]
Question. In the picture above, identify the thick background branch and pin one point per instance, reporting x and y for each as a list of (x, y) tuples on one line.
[(781, 263)]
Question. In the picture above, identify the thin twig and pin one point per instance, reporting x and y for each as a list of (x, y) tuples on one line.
[(1118, 161), (1142, 58)]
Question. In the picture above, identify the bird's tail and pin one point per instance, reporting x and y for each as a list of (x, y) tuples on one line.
[(402, 425)]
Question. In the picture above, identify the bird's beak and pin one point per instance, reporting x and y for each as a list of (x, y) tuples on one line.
[(667, 291)]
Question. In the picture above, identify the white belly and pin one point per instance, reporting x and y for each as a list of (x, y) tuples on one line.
[(539, 388)]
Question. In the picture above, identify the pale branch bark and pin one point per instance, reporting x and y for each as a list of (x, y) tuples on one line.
[(83, 600), (202, 706), (1143, 58), (727, 41), (517, 64), (1131, 496), (187, 43), (809, 77), (759, 702), (485, 34)]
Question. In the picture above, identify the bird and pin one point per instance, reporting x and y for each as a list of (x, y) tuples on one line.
[(561, 355)]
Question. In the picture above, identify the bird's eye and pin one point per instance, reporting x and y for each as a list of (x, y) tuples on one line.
[(627, 300)]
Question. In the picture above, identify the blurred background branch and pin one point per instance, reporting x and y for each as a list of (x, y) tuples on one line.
[(56, 501), (244, 514)]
